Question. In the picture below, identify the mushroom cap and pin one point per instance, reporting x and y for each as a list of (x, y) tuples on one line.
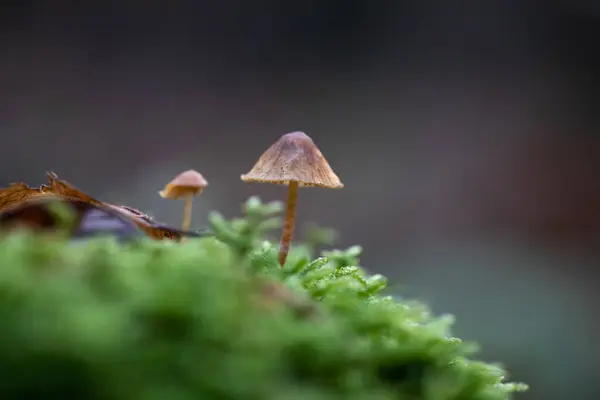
[(184, 184), (294, 157)]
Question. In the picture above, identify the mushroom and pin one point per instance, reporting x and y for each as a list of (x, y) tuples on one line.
[(188, 184), (293, 160)]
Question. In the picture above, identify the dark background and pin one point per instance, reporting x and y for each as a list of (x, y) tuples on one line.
[(466, 134)]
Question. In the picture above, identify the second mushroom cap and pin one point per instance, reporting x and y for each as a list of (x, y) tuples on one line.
[(186, 183), (294, 157)]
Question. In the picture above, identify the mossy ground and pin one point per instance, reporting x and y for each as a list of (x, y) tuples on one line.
[(194, 320)]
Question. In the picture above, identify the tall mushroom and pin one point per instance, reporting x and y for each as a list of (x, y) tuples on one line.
[(293, 160), (188, 184)]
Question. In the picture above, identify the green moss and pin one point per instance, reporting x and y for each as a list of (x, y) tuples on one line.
[(161, 320)]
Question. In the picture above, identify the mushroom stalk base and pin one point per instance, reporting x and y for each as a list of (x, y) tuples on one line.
[(187, 213), (288, 223)]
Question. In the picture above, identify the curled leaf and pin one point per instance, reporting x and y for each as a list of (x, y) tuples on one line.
[(17, 205)]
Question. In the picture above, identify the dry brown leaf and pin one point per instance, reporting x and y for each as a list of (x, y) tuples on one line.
[(18, 193)]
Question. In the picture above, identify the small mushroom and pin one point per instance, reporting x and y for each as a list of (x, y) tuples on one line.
[(188, 184), (293, 160)]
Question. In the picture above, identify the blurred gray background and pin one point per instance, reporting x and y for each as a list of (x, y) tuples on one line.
[(466, 134)]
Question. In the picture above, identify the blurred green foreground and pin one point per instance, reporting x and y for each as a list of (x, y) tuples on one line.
[(217, 318)]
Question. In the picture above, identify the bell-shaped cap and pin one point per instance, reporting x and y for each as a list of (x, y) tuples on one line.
[(187, 183), (294, 157)]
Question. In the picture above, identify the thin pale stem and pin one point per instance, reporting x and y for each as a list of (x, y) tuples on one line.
[(289, 222), (187, 213)]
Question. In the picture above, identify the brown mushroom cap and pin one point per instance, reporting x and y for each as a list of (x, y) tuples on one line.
[(184, 184), (294, 157)]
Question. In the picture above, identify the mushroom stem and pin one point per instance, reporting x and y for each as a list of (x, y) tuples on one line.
[(288, 223), (187, 212)]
